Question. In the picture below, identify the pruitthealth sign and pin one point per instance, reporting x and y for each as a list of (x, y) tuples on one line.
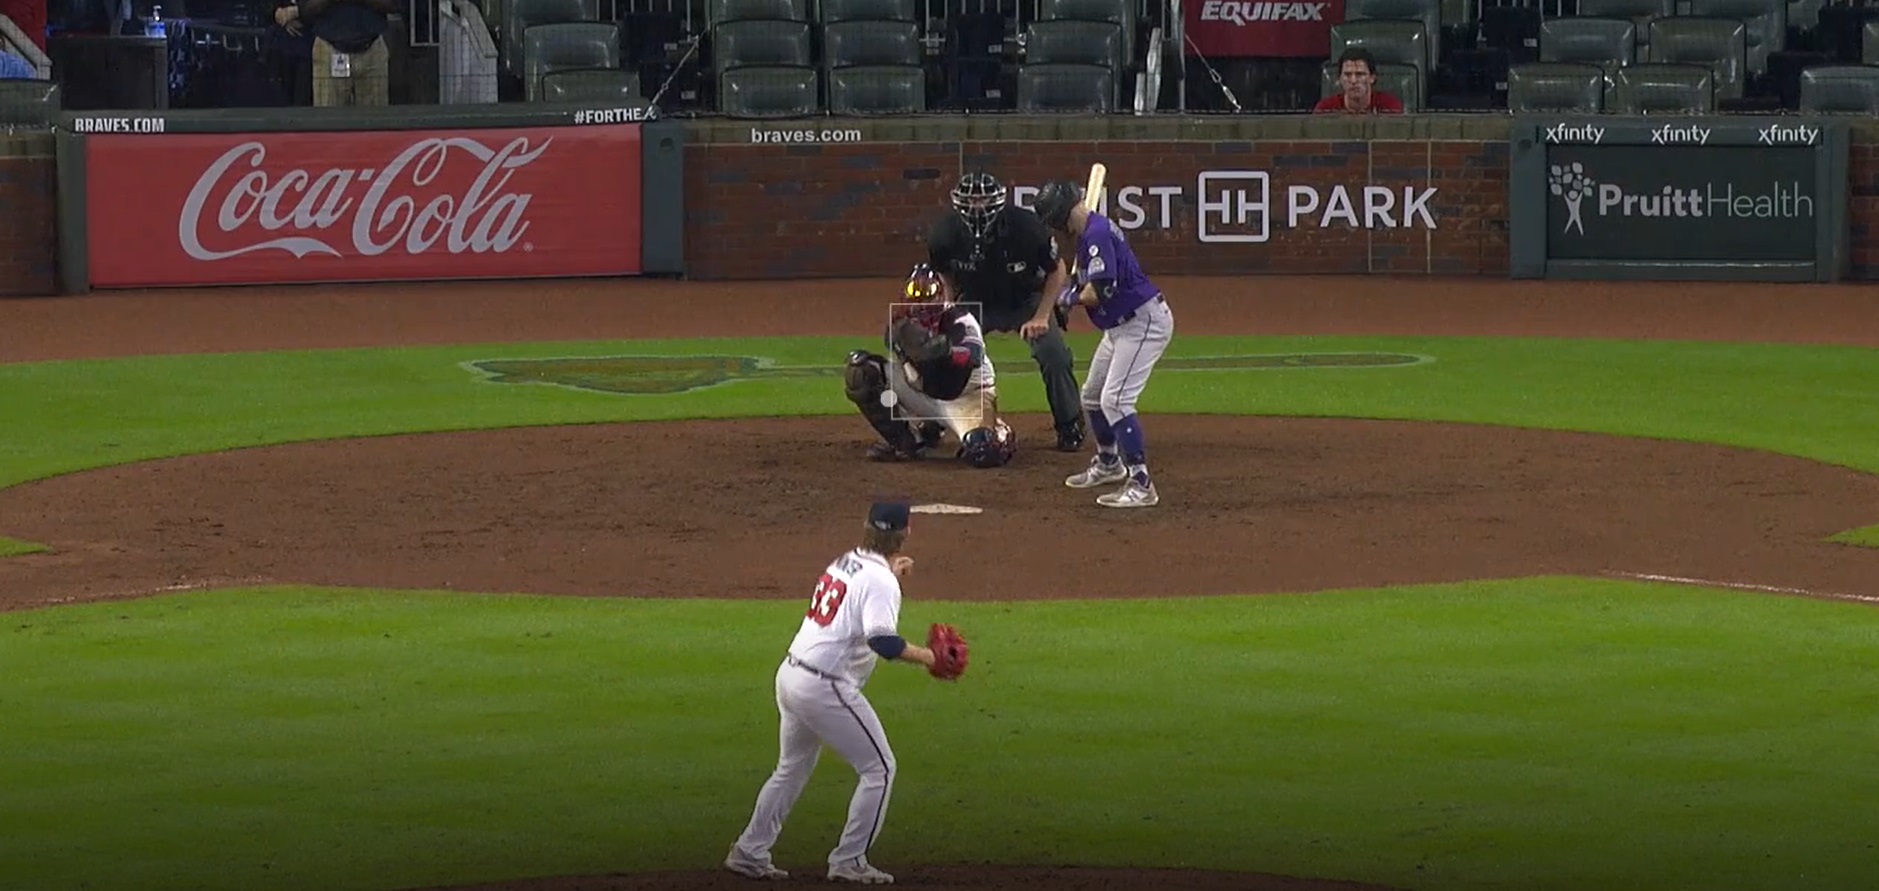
[(1247, 206)]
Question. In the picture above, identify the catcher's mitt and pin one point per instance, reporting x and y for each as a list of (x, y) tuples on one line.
[(914, 339), (950, 653)]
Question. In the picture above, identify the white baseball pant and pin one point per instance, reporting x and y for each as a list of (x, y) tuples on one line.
[(815, 710), (1124, 359), (976, 407)]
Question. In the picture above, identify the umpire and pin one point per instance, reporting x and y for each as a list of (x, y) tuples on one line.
[(1000, 256)]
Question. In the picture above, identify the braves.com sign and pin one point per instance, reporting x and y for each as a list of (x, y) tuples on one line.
[(250, 208), (1258, 28)]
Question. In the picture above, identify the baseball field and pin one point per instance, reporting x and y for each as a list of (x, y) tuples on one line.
[(1455, 585)]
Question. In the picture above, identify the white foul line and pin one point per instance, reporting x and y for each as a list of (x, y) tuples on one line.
[(1743, 586)]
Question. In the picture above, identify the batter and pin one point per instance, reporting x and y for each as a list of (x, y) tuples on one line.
[(1137, 325)]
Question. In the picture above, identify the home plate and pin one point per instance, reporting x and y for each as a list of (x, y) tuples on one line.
[(945, 509)]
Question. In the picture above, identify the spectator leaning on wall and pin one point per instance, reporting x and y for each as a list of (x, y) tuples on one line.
[(351, 65), (1357, 76)]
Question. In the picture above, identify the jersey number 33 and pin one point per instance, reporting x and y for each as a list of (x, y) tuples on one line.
[(827, 599)]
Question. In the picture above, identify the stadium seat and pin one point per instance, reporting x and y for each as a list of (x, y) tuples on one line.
[(550, 48), (521, 15), (591, 85), (1392, 41), (725, 11), (1639, 11), (1850, 89), (833, 11), (1556, 87), (1120, 13), (761, 42), (1079, 88), (870, 43), (1720, 43), (1402, 81), (1665, 88), (1766, 23), (1514, 30), (1426, 12), (884, 89), (772, 91), (1608, 42), (1803, 17), (1074, 42)]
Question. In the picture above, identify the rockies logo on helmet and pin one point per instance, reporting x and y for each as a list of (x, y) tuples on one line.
[(977, 199)]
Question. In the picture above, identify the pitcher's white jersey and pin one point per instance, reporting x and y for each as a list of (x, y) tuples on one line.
[(857, 597)]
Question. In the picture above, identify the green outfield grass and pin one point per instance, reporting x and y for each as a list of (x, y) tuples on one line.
[(13, 547), (1545, 734), (1533, 734), (1865, 536)]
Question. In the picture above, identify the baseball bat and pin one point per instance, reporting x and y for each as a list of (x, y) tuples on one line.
[(1098, 172)]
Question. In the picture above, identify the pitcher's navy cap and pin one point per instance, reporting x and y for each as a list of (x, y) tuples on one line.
[(889, 516)]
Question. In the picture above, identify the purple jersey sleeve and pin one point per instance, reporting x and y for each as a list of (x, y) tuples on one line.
[(1096, 251)]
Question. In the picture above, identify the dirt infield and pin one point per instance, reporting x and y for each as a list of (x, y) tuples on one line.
[(631, 509)]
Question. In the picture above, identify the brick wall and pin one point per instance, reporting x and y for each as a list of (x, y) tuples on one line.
[(766, 211), (1862, 182), (29, 238)]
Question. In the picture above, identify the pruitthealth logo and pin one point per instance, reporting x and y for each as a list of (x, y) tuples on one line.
[(1724, 200)]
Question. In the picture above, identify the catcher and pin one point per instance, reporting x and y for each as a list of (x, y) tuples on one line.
[(938, 377)]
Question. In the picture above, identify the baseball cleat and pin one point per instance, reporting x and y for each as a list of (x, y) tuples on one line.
[(1070, 440), (931, 434), (749, 870), (1134, 494), (862, 874), (1097, 474), (881, 451)]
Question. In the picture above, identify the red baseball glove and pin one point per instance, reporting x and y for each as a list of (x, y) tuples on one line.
[(950, 652)]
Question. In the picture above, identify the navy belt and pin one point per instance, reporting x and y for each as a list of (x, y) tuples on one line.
[(791, 659), (1144, 306)]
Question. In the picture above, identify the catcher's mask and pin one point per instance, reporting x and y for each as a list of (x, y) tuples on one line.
[(977, 199), (1054, 202), (989, 446)]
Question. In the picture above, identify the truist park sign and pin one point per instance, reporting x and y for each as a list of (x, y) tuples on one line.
[(1680, 198), (239, 208), (1252, 206)]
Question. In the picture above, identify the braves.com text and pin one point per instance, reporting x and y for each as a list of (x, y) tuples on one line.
[(117, 125), (760, 136)]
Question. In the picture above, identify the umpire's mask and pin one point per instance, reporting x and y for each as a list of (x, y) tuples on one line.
[(978, 198)]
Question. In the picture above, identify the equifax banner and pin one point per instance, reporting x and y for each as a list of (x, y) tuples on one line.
[(1246, 206), (265, 208), (1252, 28)]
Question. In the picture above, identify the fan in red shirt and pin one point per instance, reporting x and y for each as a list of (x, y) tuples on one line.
[(1357, 75)]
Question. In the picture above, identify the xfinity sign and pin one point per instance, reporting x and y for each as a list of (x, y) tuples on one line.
[(1559, 134), (1239, 207), (1775, 134)]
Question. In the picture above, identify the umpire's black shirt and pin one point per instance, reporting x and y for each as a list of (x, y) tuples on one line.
[(1006, 272)]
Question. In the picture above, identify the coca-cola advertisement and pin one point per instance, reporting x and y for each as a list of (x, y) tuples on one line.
[(264, 208), (1245, 29)]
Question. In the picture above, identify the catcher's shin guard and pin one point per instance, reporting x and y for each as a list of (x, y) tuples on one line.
[(865, 377)]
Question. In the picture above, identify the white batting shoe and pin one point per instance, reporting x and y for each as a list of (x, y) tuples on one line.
[(749, 870), (1097, 474), (861, 873), (1133, 494)]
